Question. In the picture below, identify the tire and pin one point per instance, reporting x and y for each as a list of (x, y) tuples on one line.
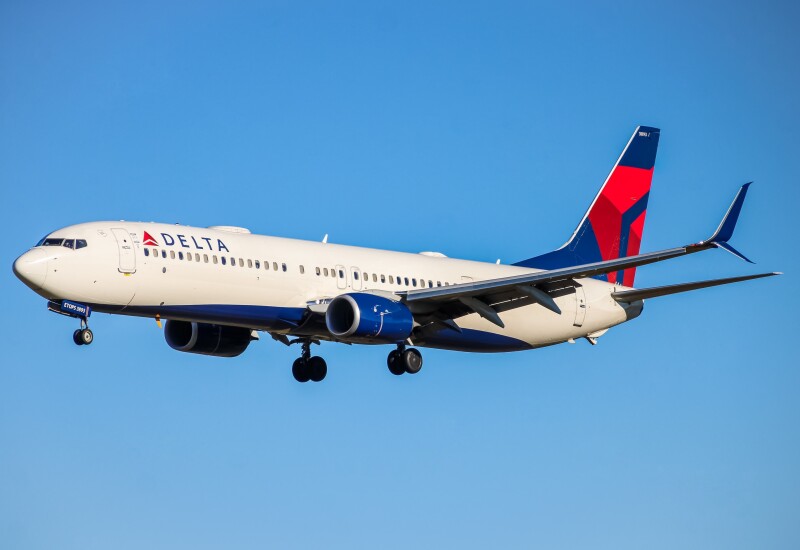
[(411, 361), (300, 370), (395, 364), (76, 337), (317, 369), (86, 337)]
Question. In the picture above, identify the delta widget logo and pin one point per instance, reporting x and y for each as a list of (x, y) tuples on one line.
[(148, 240)]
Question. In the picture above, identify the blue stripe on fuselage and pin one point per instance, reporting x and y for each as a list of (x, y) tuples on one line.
[(258, 317)]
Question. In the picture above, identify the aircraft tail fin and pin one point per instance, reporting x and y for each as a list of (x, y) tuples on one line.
[(612, 227)]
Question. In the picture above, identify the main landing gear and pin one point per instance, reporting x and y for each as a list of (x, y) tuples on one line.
[(404, 360), (313, 368), (307, 368)]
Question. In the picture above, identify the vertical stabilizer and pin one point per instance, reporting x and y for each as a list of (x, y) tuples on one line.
[(612, 227)]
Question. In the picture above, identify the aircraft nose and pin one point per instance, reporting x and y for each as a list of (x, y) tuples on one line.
[(31, 268)]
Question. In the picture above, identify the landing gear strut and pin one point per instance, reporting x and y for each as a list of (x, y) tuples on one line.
[(402, 360), (306, 367)]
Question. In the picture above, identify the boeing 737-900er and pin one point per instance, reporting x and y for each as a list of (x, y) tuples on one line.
[(217, 287)]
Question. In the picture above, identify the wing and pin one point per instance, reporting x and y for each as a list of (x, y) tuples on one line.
[(489, 297)]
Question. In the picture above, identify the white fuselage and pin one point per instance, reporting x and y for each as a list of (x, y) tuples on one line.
[(267, 283)]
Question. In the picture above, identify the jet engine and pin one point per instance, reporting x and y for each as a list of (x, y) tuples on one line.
[(207, 339), (368, 317)]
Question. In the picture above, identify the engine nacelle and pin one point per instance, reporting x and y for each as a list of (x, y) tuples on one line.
[(364, 316), (207, 339)]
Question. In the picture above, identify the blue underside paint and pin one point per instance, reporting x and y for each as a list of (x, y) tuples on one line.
[(471, 340), (287, 318), (261, 317)]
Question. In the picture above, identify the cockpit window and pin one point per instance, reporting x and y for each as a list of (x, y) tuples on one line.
[(68, 243)]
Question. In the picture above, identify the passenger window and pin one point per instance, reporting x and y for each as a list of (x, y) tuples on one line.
[(333, 273), (146, 252), (250, 263), (430, 284), (189, 256), (205, 258), (80, 243), (241, 262), (316, 269), (391, 280), (413, 282), (438, 283), (283, 267), (164, 254), (197, 256), (223, 260), (302, 270), (355, 275), (275, 266), (406, 281), (171, 254), (374, 278), (341, 274), (325, 271), (233, 262), (383, 278), (180, 255), (258, 264), (214, 259)]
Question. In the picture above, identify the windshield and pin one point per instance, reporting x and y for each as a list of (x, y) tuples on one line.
[(68, 243)]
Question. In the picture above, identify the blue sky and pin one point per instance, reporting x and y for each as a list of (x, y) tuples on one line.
[(481, 130)]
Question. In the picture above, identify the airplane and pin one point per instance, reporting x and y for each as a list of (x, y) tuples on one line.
[(218, 287)]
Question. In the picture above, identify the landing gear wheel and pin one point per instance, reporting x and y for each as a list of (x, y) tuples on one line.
[(411, 361), (317, 369), (86, 336), (76, 337), (300, 370), (395, 363)]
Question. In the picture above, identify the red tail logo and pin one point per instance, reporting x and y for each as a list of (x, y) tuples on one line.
[(148, 240)]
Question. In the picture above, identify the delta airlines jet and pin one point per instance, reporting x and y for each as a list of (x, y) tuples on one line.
[(218, 287)]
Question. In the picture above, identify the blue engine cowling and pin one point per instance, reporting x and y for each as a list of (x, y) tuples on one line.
[(207, 339), (364, 316)]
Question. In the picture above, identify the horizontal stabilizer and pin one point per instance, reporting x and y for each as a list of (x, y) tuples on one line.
[(644, 293)]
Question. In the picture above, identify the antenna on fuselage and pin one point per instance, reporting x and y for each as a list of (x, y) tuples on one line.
[(325, 239)]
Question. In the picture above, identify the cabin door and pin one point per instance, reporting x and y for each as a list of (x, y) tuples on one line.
[(127, 256)]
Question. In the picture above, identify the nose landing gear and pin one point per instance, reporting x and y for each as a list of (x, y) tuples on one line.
[(83, 336)]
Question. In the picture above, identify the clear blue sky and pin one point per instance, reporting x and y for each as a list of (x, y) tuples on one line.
[(479, 130)]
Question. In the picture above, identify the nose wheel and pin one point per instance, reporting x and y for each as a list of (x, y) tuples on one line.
[(84, 335), (403, 360), (307, 367)]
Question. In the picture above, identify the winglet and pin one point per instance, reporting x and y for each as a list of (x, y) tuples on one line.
[(725, 230)]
